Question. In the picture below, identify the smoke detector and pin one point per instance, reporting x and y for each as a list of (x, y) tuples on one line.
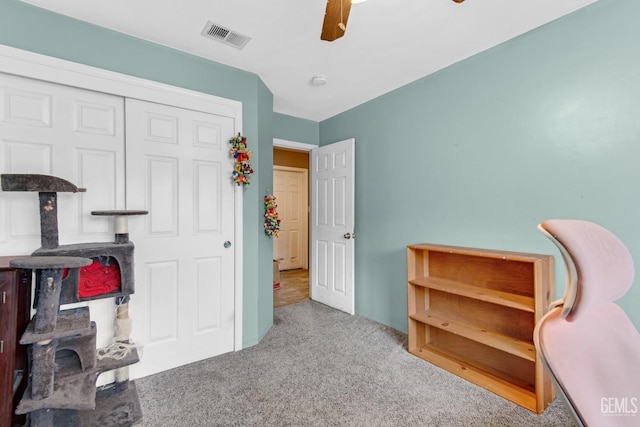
[(319, 80), (225, 35)]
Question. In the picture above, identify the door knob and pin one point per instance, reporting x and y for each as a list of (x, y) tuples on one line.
[(227, 244), (348, 235)]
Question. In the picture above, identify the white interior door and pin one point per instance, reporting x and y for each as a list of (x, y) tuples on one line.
[(332, 225), (290, 186), (71, 133), (179, 169), (74, 134)]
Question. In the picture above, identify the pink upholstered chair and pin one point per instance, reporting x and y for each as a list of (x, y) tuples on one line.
[(586, 341)]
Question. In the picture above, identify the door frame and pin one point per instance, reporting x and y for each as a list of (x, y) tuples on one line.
[(55, 70), (300, 146), (305, 177)]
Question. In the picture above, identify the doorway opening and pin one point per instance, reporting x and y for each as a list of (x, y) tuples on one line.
[(294, 288), (291, 246)]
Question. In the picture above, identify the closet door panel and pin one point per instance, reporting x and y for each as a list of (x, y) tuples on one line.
[(74, 134), (179, 169), (71, 133)]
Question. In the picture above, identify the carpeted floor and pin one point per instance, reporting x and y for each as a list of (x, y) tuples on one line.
[(321, 367)]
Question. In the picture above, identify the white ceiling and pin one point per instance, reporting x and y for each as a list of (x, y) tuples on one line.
[(388, 43)]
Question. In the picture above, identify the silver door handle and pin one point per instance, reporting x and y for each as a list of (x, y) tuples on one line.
[(349, 236)]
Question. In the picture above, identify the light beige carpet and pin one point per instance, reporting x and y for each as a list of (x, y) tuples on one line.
[(321, 367)]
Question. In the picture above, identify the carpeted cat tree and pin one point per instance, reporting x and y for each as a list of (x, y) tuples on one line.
[(64, 361)]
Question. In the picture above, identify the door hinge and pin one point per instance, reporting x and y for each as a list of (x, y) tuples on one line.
[(1, 347), (4, 297)]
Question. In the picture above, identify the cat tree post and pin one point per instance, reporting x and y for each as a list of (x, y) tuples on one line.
[(47, 187), (123, 322)]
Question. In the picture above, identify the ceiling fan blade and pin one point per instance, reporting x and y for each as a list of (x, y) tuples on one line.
[(333, 18)]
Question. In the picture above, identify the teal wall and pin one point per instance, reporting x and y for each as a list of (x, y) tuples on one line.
[(265, 242), (258, 248), (296, 129), (33, 29), (544, 126)]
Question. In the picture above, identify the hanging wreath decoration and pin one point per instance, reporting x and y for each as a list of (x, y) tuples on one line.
[(242, 169), (271, 221)]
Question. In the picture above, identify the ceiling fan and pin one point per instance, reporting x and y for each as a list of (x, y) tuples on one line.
[(336, 16)]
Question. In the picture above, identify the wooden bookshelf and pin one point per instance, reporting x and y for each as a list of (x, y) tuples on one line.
[(473, 311)]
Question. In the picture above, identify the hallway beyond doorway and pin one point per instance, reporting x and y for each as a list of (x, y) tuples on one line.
[(294, 287)]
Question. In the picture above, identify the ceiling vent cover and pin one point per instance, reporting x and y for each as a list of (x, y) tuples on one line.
[(225, 35)]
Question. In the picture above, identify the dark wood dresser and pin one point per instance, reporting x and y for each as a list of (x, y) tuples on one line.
[(15, 301)]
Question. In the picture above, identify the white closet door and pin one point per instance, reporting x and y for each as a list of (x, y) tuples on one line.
[(74, 134), (179, 169), (71, 133)]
